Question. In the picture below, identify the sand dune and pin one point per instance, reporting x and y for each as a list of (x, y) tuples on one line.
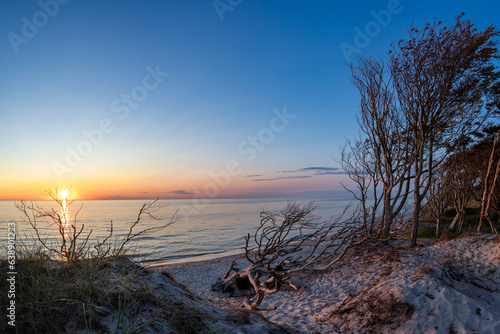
[(445, 287)]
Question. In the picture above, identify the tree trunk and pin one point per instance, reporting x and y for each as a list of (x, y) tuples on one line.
[(461, 221), (417, 201), (416, 214), (387, 216), (485, 201), (437, 227), (414, 232), (454, 221)]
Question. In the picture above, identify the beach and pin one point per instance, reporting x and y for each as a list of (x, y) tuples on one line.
[(440, 287)]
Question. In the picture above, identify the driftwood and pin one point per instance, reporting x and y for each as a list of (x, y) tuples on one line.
[(254, 282), (288, 241)]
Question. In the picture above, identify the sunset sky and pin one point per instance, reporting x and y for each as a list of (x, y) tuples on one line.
[(180, 98)]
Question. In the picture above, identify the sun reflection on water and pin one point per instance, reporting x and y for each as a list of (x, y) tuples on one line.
[(64, 195)]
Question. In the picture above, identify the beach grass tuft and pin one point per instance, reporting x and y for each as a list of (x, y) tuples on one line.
[(95, 295)]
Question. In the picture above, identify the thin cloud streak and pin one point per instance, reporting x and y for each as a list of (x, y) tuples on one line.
[(181, 192), (316, 170), (286, 177)]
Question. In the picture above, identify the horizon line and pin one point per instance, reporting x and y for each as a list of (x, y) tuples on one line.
[(313, 193)]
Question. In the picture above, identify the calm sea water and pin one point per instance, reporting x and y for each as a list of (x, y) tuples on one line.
[(202, 231)]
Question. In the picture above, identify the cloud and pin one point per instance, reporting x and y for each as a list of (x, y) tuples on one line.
[(310, 170), (286, 177), (181, 192), (319, 169), (255, 175), (316, 170)]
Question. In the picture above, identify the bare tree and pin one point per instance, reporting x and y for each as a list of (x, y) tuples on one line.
[(439, 77), (73, 242), (489, 187), (438, 198), (68, 229), (386, 137), (358, 163), (287, 241), (467, 176), (461, 181)]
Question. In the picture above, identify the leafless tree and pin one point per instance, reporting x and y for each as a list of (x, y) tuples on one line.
[(150, 210), (438, 198), (359, 165), (467, 176), (386, 138), (439, 77), (68, 229), (489, 187), (287, 241), (461, 183), (73, 242)]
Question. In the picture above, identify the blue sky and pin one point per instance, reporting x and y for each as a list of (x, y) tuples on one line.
[(171, 92)]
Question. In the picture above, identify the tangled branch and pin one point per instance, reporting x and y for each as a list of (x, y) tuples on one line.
[(286, 241)]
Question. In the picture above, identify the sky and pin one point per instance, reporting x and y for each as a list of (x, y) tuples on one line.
[(182, 99)]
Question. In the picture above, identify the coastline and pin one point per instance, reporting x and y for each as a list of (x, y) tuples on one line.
[(198, 258), (199, 276)]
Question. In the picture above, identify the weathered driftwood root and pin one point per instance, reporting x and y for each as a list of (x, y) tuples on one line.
[(254, 282), (234, 285)]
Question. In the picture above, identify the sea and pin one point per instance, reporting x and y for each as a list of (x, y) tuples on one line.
[(202, 229)]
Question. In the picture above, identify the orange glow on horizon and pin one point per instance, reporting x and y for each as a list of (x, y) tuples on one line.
[(134, 187)]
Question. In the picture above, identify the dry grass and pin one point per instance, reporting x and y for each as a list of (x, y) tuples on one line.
[(99, 295)]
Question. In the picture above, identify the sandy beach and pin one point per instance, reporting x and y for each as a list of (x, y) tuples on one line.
[(442, 287)]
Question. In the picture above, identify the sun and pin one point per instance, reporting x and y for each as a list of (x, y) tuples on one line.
[(64, 194)]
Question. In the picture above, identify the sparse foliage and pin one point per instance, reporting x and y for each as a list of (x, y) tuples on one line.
[(441, 76), (439, 87)]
